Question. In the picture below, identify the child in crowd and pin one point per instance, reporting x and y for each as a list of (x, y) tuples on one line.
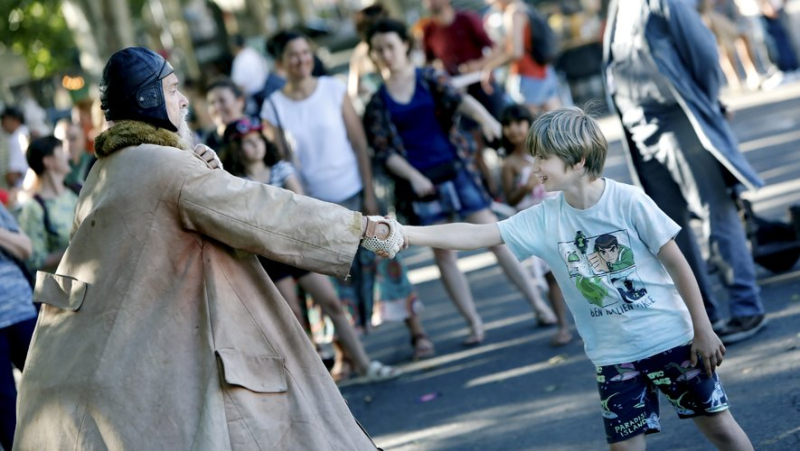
[(522, 189), (634, 298), (249, 155)]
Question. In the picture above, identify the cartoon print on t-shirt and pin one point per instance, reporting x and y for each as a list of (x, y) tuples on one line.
[(603, 268), (627, 289), (609, 255), (590, 286)]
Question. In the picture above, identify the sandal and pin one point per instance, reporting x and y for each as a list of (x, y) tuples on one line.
[(474, 339), (378, 372), (423, 347)]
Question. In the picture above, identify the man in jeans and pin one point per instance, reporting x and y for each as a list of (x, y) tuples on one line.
[(660, 64)]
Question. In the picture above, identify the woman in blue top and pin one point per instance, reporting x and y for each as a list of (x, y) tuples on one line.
[(410, 123)]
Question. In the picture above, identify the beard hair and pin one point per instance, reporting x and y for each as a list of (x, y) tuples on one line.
[(185, 134)]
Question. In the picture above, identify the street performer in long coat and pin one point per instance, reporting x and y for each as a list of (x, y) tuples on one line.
[(157, 331)]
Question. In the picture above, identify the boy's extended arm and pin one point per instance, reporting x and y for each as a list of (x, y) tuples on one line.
[(706, 343), (458, 236)]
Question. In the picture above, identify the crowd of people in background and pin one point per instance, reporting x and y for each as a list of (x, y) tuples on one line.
[(419, 108)]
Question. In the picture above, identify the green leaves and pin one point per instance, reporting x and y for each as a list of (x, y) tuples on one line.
[(37, 30)]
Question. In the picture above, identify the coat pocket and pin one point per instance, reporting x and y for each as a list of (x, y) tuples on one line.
[(63, 292), (260, 373)]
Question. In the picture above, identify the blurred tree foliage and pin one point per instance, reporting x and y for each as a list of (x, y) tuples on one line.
[(36, 30)]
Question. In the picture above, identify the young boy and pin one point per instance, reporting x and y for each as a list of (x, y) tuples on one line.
[(634, 298)]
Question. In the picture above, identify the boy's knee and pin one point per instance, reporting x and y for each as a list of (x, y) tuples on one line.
[(636, 443), (720, 427)]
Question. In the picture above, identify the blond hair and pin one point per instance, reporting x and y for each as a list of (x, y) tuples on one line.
[(571, 135)]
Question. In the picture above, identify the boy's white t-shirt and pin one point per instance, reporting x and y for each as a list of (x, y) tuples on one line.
[(315, 126), (625, 304)]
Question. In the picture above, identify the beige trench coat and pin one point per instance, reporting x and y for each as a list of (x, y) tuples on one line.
[(154, 335)]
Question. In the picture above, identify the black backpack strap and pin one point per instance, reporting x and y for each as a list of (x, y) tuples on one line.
[(45, 215)]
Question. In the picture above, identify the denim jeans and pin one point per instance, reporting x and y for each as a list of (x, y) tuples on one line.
[(722, 219)]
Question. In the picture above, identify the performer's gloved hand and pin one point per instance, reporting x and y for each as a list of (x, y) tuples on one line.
[(384, 236)]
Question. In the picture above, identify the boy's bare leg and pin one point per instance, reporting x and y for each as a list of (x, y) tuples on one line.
[(636, 443), (457, 287), (515, 272), (724, 432)]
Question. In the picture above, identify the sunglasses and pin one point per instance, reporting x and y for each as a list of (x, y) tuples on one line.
[(245, 126)]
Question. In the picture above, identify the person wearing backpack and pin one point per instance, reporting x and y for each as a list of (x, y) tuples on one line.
[(47, 218), (529, 48)]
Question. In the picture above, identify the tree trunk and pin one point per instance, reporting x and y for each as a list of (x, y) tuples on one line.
[(100, 29)]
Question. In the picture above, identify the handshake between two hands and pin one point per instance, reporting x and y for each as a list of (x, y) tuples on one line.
[(384, 236)]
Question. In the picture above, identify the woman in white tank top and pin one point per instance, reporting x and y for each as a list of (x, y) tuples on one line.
[(315, 117)]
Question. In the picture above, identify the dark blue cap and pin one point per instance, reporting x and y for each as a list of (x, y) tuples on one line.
[(131, 87)]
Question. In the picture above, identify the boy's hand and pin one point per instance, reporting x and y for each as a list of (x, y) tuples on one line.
[(709, 347)]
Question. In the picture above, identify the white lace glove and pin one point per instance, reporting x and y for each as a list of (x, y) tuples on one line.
[(388, 247)]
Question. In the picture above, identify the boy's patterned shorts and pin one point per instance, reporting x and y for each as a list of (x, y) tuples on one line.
[(629, 392)]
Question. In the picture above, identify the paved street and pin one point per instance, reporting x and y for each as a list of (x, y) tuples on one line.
[(516, 392)]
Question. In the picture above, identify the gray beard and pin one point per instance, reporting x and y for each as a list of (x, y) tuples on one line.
[(185, 133)]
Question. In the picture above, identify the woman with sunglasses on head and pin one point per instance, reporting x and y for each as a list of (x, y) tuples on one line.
[(327, 139), (251, 156), (411, 125)]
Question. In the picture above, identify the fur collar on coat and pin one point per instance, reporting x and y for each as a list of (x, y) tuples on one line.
[(133, 133)]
